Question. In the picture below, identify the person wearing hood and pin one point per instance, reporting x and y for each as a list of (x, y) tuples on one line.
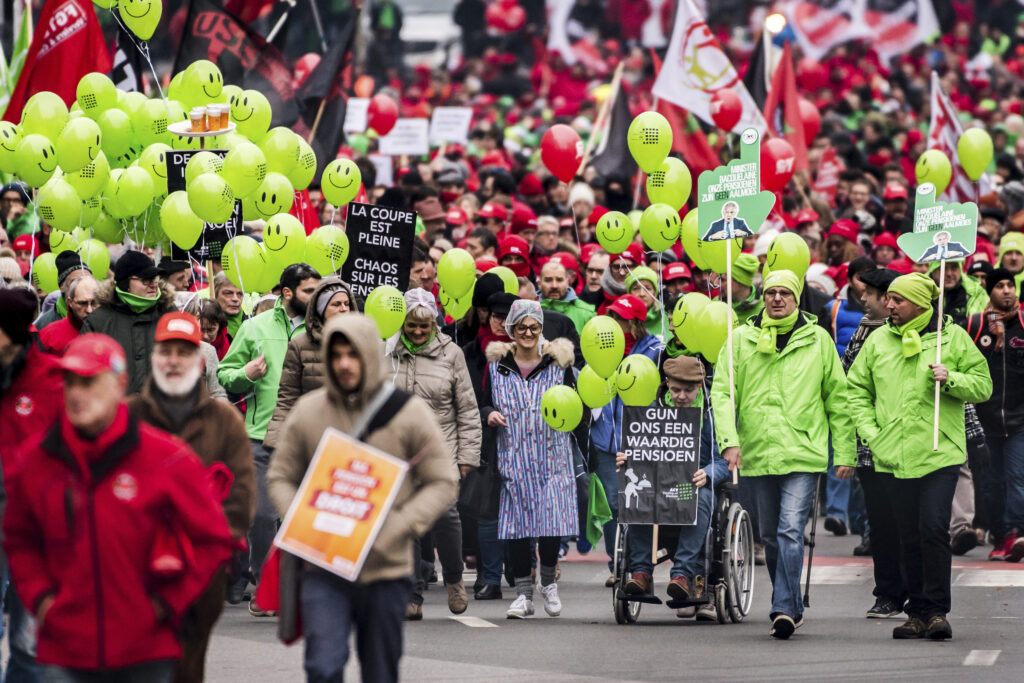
[(253, 366), (405, 427), (999, 335), (129, 308), (514, 254), (70, 267), (428, 363), (557, 295), (789, 396), (81, 301), (963, 297), (642, 282), (891, 399), (746, 299), (538, 491), (606, 430)]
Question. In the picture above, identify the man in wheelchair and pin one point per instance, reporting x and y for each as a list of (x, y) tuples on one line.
[(684, 377)]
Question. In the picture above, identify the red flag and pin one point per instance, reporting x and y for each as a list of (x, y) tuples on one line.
[(827, 180), (688, 140), (67, 45), (249, 10), (782, 109), (302, 208)]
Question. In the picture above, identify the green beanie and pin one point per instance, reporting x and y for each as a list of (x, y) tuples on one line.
[(641, 273), (1011, 241), (784, 278), (917, 288), (744, 269)]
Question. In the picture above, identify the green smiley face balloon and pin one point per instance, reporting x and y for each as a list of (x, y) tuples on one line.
[(200, 163), (153, 161), (615, 232), (284, 240), (660, 226), (35, 160), (282, 149), (596, 391), (91, 178), (327, 249), (637, 380), (386, 306), (341, 181), (78, 144), (202, 82), (10, 136), (302, 173), (245, 167), (141, 16), (561, 408), (95, 94), (603, 344), (251, 112), (273, 196), (210, 198)]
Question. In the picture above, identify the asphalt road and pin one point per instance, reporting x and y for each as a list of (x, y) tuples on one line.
[(585, 644)]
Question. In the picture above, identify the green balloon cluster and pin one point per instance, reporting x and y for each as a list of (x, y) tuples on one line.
[(561, 408)]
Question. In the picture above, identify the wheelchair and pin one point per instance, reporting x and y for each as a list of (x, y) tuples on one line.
[(728, 579)]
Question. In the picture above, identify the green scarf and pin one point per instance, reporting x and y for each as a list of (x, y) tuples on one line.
[(770, 328), (62, 306), (413, 349), (138, 304), (911, 333), (676, 348)]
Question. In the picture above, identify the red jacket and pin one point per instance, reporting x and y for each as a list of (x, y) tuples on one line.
[(33, 401), (55, 337), (81, 526)]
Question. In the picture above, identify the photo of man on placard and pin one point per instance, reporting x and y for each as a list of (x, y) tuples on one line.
[(944, 249), (729, 226)]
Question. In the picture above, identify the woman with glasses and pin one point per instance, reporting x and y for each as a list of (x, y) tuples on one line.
[(538, 493)]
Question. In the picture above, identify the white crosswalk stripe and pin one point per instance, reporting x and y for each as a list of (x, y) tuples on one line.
[(475, 622), (981, 657)]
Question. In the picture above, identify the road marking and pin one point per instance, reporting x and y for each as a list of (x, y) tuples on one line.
[(981, 657), (848, 575), (989, 578), (475, 622)]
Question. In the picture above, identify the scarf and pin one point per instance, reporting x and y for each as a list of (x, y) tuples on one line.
[(221, 344), (414, 348), (521, 269), (87, 451), (61, 306), (770, 328), (609, 284), (997, 321), (138, 304), (630, 343), (911, 333), (485, 337)]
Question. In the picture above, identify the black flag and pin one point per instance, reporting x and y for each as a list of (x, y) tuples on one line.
[(754, 79), (127, 72), (243, 56), (612, 159)]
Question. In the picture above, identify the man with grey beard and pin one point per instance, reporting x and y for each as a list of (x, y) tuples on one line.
[(176, 400)]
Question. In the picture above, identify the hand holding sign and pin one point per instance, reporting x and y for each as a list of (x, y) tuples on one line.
[(730, 199), (941, 230)]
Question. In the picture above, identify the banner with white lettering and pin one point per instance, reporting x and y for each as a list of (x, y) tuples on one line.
[(451, 124), (409, 136), (380, 239), (662, 447)]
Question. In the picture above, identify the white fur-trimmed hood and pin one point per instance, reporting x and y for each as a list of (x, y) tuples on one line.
[(560, 350)]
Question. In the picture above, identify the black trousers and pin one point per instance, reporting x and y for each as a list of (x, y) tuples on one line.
[(923, 507), (883, 535), (521, 555)]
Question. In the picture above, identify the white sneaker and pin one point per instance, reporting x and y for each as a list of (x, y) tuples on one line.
[(520, 608), (686, 612), (552, 603), (707, 612)]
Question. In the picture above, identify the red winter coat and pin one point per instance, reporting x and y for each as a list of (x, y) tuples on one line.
[(81, 528), (33, 401), (55, 337)]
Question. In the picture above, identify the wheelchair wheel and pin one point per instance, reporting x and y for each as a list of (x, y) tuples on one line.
[(626, 612), (721, 603), (739, 563)]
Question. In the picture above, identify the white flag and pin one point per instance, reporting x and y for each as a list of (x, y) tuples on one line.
[(944, 131), (696, 68), (892, 27)]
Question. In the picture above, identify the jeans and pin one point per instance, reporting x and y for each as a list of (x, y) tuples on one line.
[(883, 534), (603, 463), (922, 508), (857, 512), (688, 560), (492, 551), (447, 536), (161, 671), (332, 607), (264, 523), (837, 492), (21, 635), (783, 505), (1003, 483)]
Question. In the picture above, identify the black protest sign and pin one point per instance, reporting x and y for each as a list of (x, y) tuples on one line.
[(380, 241), (215, 235), (662, 447)]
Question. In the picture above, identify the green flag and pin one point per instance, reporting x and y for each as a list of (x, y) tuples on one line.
[(598, 511), (9, 73)]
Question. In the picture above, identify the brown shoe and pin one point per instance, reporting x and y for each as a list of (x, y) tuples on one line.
[(413, 612), (938, 629), (911, 629), (679, 588), (458, 601), (639, 584), (610, 581)]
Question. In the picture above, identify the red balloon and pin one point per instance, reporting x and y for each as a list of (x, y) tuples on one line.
[(726, 108), (777, 161), (811, 75), (561, 150), (811, 118), (515, 17), (363, 86), (494, 16), (381, 114), (506, 17)]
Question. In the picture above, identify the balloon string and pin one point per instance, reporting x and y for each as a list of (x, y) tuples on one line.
[(143, 48)]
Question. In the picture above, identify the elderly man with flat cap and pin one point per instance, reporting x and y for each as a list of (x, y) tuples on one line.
[(892, 399)]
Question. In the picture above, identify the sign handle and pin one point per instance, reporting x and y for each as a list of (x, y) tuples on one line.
[(938, 354), (654, 546), (728, 296)]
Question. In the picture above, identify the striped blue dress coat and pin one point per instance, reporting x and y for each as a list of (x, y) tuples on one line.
[(538, 494)]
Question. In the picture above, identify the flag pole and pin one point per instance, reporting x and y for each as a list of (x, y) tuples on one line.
[(606, 107), (728, 296), (938, 354), (319, 25), (280, 22)]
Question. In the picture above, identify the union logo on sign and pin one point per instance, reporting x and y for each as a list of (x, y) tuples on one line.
[(704, 66)]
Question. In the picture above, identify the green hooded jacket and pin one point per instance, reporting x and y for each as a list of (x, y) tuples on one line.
[(892, 399), (786, 402), (977, 297), (267, 333), (577, 310)]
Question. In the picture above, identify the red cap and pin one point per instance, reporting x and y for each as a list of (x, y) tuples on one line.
[(566, 222), (530, 186), (26, 243), (894, 191), (183, 326), (523, 218), (493, 210), (455, 216), (93, 353), (846, 229), (676, 271), (884, 239), (513, 244), (587, 250), (486, 263), (596, 214), (634, 252), (493, 158), (806, 216), (629, 307), (567, 260)]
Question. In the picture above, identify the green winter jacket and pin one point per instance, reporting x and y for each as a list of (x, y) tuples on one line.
[(892, 399), (579, 311), (267, 333), (977, 297), (786, 402)]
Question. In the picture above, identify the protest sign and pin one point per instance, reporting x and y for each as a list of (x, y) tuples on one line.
[(382, 163), (732, 203), (941, 230), (356, 109), (341, 504), (409, 136), (451, 124), (662, 447), (214, 235), (380, 239), (826, 183)]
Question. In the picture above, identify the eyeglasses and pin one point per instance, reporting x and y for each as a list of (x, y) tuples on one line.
[(148, 282), (528, 330), (778, 294), (621, 267), (88, 303), (594, 271), (498, 316)]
